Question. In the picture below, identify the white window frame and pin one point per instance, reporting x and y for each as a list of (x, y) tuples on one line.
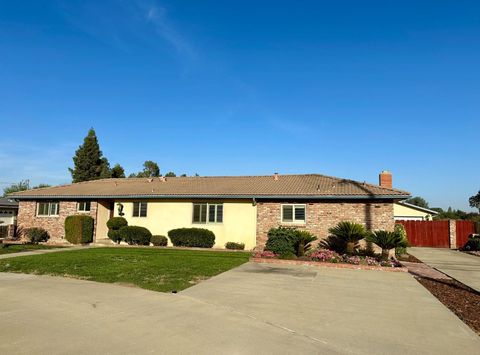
[(49, 209), (140, 209), (84, 205), (294, 206), (207, 218)]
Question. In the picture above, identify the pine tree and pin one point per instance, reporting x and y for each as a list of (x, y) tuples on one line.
[(117, 171), (89, 164)]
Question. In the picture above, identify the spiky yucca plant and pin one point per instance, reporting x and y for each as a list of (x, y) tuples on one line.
[(386, 240), (349, 232)]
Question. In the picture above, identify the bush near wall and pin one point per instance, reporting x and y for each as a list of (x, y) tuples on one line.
[(37, 235), (192, 237), (114, 225), (79, 229), (159, 240), (235, 246), (135, 235)]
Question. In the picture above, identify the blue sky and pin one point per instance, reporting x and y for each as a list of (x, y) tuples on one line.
[(343, 88)]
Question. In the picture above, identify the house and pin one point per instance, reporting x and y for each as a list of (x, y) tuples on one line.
[(406, 211), (236, 208), (8, 211)]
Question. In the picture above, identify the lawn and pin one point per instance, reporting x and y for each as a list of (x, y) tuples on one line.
[(155, 269), (18, 248)]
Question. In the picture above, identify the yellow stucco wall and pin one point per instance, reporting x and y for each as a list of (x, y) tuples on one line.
[(404, 212), (239, 220), (103, 215)]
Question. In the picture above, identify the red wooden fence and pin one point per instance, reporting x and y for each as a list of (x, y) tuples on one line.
[(463, 230), (427, 233)]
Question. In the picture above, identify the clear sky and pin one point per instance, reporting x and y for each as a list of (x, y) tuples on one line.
[(343, 88)]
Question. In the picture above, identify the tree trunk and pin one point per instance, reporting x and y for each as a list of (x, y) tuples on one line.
[(350, 248), (385, 253)]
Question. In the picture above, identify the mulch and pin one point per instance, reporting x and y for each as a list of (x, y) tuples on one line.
[(460, 299)]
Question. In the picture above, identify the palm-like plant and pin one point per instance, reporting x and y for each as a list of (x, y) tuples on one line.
[(304, 241), (350, 233), (386, 240)]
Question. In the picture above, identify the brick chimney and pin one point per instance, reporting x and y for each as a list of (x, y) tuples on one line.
[(385, 179)]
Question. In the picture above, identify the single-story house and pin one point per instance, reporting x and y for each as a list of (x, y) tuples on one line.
[(8, 211), (236, 208), (406, 211)]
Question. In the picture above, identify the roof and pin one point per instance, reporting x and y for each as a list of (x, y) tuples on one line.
[(8, 202), (294, 186), (415, 207)]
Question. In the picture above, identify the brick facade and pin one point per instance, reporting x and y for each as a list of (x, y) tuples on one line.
[(320, 216), (55, 226)]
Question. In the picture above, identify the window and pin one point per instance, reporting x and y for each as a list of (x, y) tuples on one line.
[(83, 206), (139, 209), (293, 213), (47, 209), (214, 212)]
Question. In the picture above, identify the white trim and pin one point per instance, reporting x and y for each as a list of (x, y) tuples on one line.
[(49, 203), (140, 209), (293, 221), (85, 202)]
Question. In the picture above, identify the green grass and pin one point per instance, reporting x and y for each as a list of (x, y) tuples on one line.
[(18, 248), (155, 269)]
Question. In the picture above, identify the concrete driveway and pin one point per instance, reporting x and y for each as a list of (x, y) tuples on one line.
[(259, 309), (460, 266)]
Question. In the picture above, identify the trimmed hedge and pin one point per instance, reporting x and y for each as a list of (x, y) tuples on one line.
[(37, 235), (286, 241), (192, 237), (79, 229), (115, 223), (235, 246), (159, 240), (135, 235)]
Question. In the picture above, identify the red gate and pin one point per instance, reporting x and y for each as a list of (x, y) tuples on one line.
[(427, 233), (463, 230)]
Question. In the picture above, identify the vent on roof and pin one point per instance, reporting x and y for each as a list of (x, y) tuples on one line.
[(275, 176)]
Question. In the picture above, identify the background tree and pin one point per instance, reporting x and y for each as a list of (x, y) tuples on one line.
[(418, 201), (117, 171), (89, 164), (21, 186), (475, 201), (170, 174), (150, 169)]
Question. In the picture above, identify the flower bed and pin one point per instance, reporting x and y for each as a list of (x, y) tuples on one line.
[(476, 253), (330, 258)]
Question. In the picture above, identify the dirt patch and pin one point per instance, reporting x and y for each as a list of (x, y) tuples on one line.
[(460, 299), (408, 258)]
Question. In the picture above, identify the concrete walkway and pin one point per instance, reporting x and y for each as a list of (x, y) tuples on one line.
[(40, 251), (460, 266), (253, 309)]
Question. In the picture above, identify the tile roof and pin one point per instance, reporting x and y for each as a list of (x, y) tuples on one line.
[(300, 186), (7, 202)]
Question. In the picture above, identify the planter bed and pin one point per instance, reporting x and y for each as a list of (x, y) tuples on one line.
[(326, 264), (475, 253)]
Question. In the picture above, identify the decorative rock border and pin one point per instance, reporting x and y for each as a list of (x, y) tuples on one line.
[(324, 264)]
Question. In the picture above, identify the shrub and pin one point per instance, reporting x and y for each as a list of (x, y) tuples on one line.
[(336, 244), (350, 233), (115, 223), (79, 229), (135, 235), (400, 229), (472, 244), (192, 237), (159, 240), (386, 240), (235, 246), (304, 242), (282, 240), (37, 235), (115, 235), (288, 256)]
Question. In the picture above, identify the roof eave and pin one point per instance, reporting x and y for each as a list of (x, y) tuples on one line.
[(257, 197)]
